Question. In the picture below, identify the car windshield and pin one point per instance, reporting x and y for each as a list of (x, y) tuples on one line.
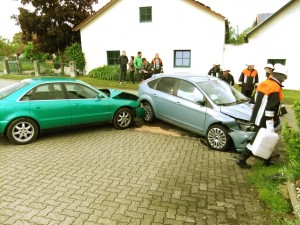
[(4, 92), (221, 93)]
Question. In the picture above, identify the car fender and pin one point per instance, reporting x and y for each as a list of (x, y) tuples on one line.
[(217, 117), (145, 98)]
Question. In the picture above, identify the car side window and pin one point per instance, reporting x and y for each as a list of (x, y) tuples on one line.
[(79, 91), (51, 91), (188, 91), (167, 85)]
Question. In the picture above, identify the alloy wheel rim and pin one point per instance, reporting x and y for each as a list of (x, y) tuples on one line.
[(23, 132), (216, 138), (124, 119), (147, 113)]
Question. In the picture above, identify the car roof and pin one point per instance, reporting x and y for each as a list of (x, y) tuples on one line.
[(188, 77), (39, 80)]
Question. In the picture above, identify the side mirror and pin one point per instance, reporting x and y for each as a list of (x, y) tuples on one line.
[(199, 100)]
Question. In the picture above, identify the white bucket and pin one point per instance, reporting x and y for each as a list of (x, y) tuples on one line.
[(264, 143)]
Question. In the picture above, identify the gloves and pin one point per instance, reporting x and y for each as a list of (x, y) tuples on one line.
[(270, 125)]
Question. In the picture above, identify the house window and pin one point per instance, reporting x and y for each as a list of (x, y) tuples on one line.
[(182, 58), (145, 14), (112, 57), (274, 61)]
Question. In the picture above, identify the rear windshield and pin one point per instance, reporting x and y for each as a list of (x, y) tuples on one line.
[(6, 91)]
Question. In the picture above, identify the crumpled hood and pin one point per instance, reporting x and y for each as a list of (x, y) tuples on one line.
[(114, 92), (240, 111), (119, 94)]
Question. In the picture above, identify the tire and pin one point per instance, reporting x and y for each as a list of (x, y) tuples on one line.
[(217, 138), (123, 118), (148, 113), (22, 131)]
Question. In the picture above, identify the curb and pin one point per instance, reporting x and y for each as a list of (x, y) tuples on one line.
[(293, 198)]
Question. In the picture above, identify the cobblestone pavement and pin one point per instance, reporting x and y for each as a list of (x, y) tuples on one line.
[(100, 175)]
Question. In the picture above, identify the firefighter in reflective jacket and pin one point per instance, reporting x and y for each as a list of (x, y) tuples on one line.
[(248, 80), (267, 101)]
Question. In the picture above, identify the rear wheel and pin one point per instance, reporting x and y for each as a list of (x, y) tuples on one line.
[(22, 131), (123, 118), (218, 138), (148, 113)]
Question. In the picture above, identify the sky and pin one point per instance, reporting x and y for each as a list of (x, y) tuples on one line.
[(240, 13)]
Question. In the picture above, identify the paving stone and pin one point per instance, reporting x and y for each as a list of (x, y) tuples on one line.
[(85, 176)]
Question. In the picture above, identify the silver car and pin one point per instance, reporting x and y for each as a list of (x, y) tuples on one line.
[(201, 104)]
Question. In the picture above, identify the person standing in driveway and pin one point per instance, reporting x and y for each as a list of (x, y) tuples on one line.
[(138, 65), (267, 101), (123, 60), (248, 80)]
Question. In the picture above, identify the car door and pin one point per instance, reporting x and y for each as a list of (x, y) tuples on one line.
[(49, 105), (186, 112), (163, 98), (86, 106)]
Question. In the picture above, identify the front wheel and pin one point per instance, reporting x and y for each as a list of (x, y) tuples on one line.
[(123, 119), (22, 131), (217, 138), (148, 113)]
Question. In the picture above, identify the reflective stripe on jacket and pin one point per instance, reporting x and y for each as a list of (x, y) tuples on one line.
[(248, 79), (268, 97)]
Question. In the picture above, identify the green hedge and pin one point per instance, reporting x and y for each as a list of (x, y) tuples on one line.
[(105, 72), (291, 138)]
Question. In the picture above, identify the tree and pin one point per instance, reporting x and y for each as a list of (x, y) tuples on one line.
[(4, 47), (232, 37), (31, 54), (50, 25)]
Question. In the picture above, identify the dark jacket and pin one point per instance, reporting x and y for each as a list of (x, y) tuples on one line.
[(146, 70), (229, 79), (215, 71), (147, 67), (248, 79), (123, 60), (267, 99)]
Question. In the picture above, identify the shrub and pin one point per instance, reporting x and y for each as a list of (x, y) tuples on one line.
[(105, 72), (291, 138), (74, 53)]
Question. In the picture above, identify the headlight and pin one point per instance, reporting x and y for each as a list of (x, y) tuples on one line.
[(245, 125)]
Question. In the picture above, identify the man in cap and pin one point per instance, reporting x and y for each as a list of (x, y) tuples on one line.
[(268, 98), (248, 80), (269, 69), (227, 77)]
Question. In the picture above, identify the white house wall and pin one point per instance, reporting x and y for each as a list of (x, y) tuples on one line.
[(176, 25), (279, 39)]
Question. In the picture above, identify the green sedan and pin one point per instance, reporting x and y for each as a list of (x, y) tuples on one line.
[(32, 106)]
